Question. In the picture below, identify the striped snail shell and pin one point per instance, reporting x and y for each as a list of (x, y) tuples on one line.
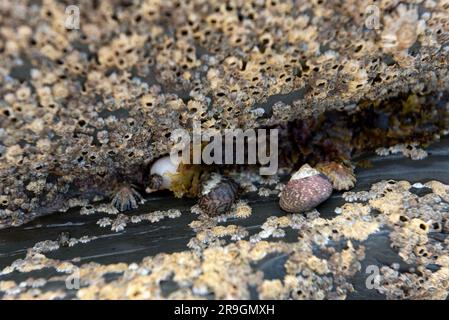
[(218, 194)]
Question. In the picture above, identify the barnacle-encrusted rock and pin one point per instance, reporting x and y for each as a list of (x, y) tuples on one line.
[(322, 260), (82, 108), (306, 189), (218, 194)]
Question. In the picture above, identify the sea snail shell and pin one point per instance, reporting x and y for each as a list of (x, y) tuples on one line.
[(218, 194), (306, 189)]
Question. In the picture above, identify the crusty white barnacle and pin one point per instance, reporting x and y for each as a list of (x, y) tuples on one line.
[(126, 198), (402, 29)]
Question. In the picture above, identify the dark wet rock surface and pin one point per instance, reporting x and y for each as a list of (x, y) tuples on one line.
[(137, 241)]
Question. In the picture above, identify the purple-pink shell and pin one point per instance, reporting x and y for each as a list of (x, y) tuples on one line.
[(306, 193)]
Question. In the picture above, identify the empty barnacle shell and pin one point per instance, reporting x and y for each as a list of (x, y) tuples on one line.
[(126, 198), (306, 189), (341, 176), (218, 194)]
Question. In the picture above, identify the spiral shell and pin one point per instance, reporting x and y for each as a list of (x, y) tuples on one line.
[(306, 189), (218, 195)]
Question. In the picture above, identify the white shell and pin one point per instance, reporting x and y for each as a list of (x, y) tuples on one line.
[(164, 167)]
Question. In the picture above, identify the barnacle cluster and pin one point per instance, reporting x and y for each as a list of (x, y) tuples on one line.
[(120, 222), (83, 111), (320, 263)]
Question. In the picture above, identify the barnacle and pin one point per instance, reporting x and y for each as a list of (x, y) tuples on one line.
[(401, 31), (126, 198), (341, 176), (242, 210)]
